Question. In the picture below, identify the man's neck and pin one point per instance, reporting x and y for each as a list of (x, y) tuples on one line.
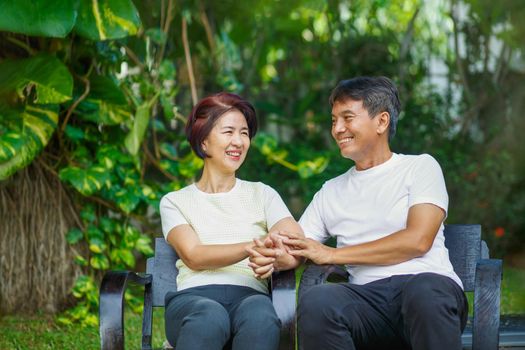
[(377, 158)]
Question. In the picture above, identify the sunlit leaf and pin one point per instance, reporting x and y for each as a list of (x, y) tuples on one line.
[(140, 124), (80, 260), (265, 143), (18, 149), (311, 167), (107, 19), (143, 245), (97, 245), (85, 181), (99, 262)]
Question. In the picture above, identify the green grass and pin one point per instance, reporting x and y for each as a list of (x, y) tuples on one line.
[(513, 291), (41, 332)]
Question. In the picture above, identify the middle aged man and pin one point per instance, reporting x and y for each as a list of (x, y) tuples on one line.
[(387, 214)]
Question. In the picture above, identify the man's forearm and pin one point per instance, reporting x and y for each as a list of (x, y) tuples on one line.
[(393, 249)]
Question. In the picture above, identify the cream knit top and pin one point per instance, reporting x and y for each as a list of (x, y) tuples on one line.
[(247, 211)]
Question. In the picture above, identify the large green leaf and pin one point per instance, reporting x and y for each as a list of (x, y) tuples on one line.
[(106, 103), (19, 147), (107, 19), (49, 18), (136, 135), (46, 74)]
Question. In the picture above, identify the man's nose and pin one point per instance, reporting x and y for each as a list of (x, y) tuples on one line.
[(339, 125)]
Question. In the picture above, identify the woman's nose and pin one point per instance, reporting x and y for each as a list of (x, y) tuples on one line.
[(236, 139)]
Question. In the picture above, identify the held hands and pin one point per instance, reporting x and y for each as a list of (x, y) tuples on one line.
[(284, 250), (269, 255)]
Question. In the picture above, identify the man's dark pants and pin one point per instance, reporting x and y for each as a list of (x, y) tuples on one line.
[(422, 312)]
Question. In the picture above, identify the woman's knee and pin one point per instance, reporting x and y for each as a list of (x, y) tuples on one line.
[(257, 310), (204, 317)]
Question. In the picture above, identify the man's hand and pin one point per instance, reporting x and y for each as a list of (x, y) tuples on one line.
[(307, 248)]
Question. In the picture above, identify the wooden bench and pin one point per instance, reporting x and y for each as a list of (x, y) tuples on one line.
[(470, 258), (160, 277)]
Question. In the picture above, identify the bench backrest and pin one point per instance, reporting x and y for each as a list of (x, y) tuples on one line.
[(162, 267), (465, 249), (463, 242)]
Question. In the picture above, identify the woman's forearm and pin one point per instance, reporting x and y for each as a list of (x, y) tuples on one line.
[(213, 256)]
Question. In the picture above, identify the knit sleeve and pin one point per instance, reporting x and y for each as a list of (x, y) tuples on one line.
[(170, 215), (274, 206)]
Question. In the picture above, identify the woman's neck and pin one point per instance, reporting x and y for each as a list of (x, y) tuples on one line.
[(213, 182)]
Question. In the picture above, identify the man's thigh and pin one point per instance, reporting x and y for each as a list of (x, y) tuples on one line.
[(364, 311)]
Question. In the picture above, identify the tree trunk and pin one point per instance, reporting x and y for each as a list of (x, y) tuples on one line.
[(36, 262)]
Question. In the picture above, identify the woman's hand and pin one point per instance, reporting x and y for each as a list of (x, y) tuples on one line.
[(269, 255)]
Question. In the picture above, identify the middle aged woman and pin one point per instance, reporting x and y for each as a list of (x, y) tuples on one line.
[(212, 224)]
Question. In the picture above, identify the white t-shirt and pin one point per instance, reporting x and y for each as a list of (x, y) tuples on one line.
[(245, 212), (363, 206)]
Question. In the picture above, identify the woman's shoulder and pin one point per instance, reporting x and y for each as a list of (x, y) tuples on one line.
[(177, 194), (255, 185)]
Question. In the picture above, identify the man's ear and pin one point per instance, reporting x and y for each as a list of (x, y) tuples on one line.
[(383, 122)]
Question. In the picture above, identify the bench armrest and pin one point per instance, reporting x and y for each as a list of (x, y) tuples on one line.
[(111, 309), (487, 293), (284, 302), (318, 274)]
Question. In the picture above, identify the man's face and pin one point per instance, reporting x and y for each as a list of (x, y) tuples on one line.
[(354, 131)]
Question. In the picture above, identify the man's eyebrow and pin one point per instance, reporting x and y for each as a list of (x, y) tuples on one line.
[(345, 112)]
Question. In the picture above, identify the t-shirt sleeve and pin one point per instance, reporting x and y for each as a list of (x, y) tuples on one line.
[(170, 215), (274, 206), (312, 220), (428, 184)]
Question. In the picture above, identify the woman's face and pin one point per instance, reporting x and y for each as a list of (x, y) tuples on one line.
[(227, 143)]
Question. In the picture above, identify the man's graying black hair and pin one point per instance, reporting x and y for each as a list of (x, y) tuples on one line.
[(379, 94)]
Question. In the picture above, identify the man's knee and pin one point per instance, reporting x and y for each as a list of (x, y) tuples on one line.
[(318, 308)]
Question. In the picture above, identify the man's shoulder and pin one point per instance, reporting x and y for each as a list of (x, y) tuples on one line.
[(336, 182), (416, 159)]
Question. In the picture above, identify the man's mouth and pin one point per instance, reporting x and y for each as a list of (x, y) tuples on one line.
[(344, 140)]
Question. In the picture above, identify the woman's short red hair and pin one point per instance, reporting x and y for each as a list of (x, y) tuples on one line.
[(207, 111)]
